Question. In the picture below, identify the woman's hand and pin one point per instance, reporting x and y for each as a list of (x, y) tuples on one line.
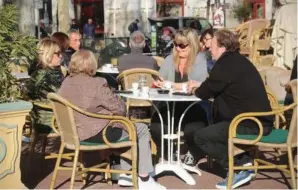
[(192, 84), (159, 82)]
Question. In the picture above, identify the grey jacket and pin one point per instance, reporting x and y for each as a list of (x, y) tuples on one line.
[(197, 73)]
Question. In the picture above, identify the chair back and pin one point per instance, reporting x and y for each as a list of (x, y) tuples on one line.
[(159, 60), (292, 136), (127, 77), (272, 99), (64, 115)]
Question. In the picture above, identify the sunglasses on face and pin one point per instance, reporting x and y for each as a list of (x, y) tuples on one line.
[(181, 46), (58, 53), (206, 39)]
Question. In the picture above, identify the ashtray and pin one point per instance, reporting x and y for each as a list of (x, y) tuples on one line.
[(163, 91)]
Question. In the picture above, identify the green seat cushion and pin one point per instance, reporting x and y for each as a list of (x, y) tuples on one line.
[(281, 102), (277, 136), (91, 143)]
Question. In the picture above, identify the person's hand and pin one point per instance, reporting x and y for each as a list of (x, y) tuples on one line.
[(158, 82), (192, 84)]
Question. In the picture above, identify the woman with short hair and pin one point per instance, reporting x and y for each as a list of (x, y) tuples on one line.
[(63, 41), (93, 94)]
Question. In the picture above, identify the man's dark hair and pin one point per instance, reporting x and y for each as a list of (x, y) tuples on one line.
[(137, 20), (205, 32), (227, 39)]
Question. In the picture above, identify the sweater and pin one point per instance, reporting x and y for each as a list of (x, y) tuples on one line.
[(198, 72), (236, 87)]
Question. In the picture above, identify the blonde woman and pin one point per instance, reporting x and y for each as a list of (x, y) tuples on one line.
[(94, 95), (47, 76), (183, 65)]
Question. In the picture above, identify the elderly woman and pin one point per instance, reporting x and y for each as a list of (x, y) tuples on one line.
[(183, 65), (94, 95)]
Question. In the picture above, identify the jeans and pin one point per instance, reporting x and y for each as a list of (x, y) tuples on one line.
[(144, 151)]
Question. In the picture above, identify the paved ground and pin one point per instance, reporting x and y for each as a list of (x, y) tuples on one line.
[(37, 173)]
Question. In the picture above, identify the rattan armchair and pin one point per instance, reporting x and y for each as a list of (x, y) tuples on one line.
[(245, 33), (127, 77), (64, 114), (277, 139)]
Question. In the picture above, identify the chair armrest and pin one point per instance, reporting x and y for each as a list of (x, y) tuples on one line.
[(253, 116), (129, 126), (42, 105)]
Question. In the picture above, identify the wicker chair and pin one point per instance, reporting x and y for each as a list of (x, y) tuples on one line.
[(127, 77), (159, 60), (246, 30), (64, 113), (277, 139)]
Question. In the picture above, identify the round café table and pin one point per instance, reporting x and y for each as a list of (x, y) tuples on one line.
[(110, 75), (170, 165)]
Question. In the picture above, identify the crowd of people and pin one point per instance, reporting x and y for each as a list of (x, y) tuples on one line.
[(211, 67)]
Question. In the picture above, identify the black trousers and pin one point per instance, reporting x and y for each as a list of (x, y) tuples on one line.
[(213, 140)]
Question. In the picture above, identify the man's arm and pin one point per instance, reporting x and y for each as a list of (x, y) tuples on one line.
[(214, 84)]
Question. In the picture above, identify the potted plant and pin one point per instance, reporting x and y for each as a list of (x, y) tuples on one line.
[(13, 46), (241, 11)]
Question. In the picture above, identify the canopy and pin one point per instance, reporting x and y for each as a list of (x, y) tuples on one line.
[(284, 35)]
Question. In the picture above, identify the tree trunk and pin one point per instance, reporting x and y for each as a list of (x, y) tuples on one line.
[(27, 17), (54, 16), (1, 3), (63, 16), (208, 9)]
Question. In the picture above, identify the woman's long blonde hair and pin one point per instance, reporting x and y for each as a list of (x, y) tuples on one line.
[(190, 37)]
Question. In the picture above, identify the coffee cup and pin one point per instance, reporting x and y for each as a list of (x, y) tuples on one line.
[(184, 87), (167, 85), (145, 90), (135, 86)]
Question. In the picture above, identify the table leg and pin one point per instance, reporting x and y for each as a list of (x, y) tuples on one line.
[(162, 131), (175, 166)]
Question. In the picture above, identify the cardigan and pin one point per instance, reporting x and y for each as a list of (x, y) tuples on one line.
[(198, 72)]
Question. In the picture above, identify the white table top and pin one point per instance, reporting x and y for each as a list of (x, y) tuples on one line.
[(108, 70), (155, 96)]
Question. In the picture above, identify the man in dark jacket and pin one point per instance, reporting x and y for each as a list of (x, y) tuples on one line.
[(236, 87)]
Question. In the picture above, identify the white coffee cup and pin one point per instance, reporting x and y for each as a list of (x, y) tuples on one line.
[(145, 90), (109, 65), (168, 85), (135, 86), (184, 87)]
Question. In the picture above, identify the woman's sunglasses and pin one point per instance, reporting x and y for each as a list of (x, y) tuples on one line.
[(181, 46), (58, 53)]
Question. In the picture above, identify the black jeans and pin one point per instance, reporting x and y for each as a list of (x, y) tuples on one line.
[(213, 140)]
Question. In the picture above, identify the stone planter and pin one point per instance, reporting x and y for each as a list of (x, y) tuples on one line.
[(12, 120)]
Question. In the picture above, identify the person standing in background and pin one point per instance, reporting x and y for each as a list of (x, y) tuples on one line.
[(74, 25), (133, 26), (89, 29)]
